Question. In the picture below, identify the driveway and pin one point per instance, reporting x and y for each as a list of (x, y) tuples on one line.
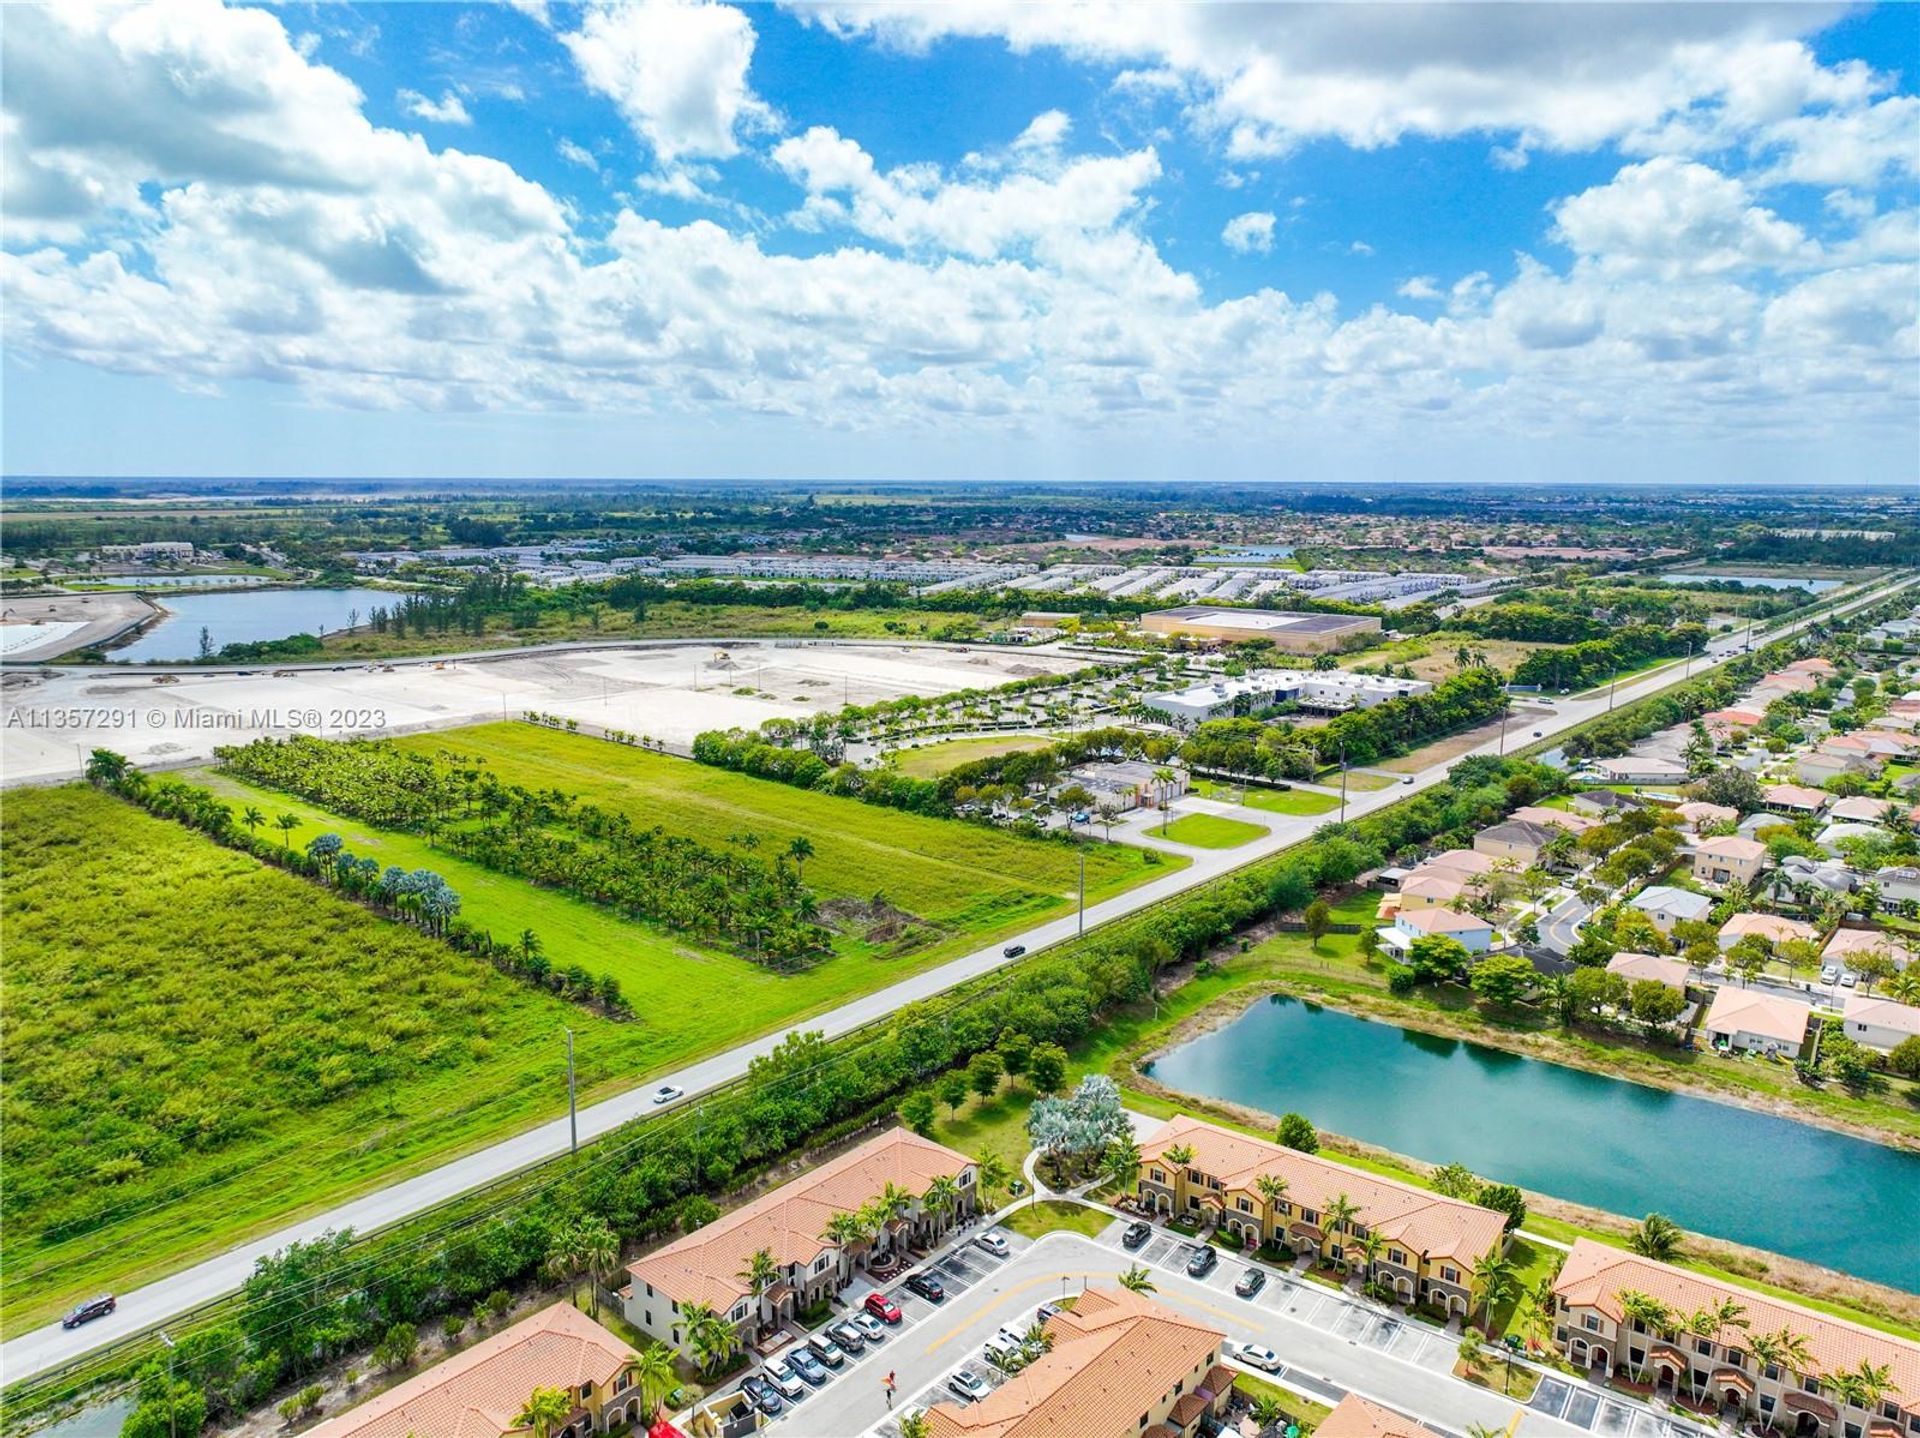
[(1560, 930)]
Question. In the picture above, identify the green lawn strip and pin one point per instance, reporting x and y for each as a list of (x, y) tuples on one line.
[(1304, 1411), (1298, 802), (1054, 1216), (1210, 831), (971, 882), (261, 1048), (930, 761)]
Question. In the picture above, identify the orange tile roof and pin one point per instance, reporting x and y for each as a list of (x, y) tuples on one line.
[(1732, 846), (1594, 1276), (1797, 795), (1443, 921), (1635, 967), (1863, 941), (1882, 1013), (1462, 861), (704, 1267), (479, 1393), (1416, 1218), (1572, 823), (1355, 1417), (1700, 812), (1115, 1356), (1772, 927), (1744, 1011)]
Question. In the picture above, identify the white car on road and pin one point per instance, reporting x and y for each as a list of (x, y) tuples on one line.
[(1256, 1356)]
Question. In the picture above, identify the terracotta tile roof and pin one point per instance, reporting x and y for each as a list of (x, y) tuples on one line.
[(1815, 665), (1594, 1275), (1634, 967), (1442, 921), (1463, 861), (1771, 927), (1115, 1356), (1518, 831), (1354, 1417), (1796, 796), (1441, 887), (704, 1266), (1700, 813), (1417, 1218), (1560, 818), (1846, 942), (1861, 809), (1744, 1011), (1732, 846), (478, 1393), (1882, 1013)]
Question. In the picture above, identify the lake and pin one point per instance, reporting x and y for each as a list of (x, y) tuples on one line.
[(1755, 581), (1752, 1177), (246, 616)]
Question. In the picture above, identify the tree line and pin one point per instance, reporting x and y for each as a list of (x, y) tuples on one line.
[(552, 838)]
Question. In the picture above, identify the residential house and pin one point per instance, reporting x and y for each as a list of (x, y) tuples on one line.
[(791, 1224), (1844, 945), (1594, 1329), (1799, 876), (1431, 888), (1356, 1417), (1825, 764), (1700, 816), (1898, 884), (1652, 967), (1860, 809), (1667, 906), (1555, 818), (1432, 1246), (1517, 839), (1474, 932), (1771, 927), (1814, 665), (1730, 860), (1605, 803), (1723, 724), (1120, 1366), (1794, 799), (1834, 835), (480, 1391), (1752, 1022), (1880, 1023), (1640, 769), (1464, 862)]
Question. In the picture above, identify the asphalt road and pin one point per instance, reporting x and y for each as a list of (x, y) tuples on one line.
[(141, 1309)]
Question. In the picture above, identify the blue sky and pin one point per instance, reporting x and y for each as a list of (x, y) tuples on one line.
[(1020, 241)]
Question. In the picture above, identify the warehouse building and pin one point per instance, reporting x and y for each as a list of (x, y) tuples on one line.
[(1333, 691), (1292, 633)]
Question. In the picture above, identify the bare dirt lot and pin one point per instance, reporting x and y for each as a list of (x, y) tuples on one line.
[(668, 691)]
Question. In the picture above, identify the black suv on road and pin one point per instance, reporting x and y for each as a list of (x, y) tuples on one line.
[(86, 1312)]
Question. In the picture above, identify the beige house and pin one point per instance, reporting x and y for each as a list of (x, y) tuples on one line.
[(1846, 944), (1433, 1244), (1653, 967), (1771, 927), (479, 1392), (791, 1224), (1700, 816), (1879, 1023), (1827, 763), (1554, 818), (1757, 1023), (1731, 860), (1518, 840), (1120, 1366), (1433, 888), (1795, 799), (1593, 1328)]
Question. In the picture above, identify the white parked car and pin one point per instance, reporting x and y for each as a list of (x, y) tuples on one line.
[(994, 1243), (1256, 1356)]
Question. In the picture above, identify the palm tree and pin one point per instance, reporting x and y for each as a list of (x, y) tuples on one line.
[(252, 818), (566, 1255), (845, 1230), (1272, 1189), (286, 824), (600, 1256), (760, 1273), (1338, 1216), (709, 1336), (1371, 1247), (655, 1376), (1267, 1411), (942, 1196), (1120, 1164), (1649, 1312), (1863, 1386), (916, 1425), (1163, 781), (1657, 1237), (1137, 1280), (545, 1410), (800, 849), (994, 1172), (1495, 1280), (1796, 1353), (1180, 1155)]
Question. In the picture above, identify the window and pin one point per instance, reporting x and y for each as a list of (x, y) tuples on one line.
[(1773, 1370), (1394, 1255), (1452, 1275), (1590, 1323), (1638, 1326), (586, 1390), (1812, 1385), (1766, 1403), (1736, 1358), (1285, 1207), (1307, 1215), (1890, 1411), (1159, 1176), (1243, 1205), (623, 1382), (739, 1312), (1637, 1356), (1853, 1430), (820, 1263), (1702, 1345), (1699, 1378)]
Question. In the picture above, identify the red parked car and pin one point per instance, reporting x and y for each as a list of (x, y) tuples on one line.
[(883, 1308)]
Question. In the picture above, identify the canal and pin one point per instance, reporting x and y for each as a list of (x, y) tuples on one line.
[(1752, 1177)]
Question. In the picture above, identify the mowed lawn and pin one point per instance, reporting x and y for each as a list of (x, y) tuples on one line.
[(1210, 831), (201, 1047), (972, 882), (930, 761), (1300, 803)]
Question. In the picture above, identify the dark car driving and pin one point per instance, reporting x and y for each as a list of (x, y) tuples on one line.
[(86, 1312)]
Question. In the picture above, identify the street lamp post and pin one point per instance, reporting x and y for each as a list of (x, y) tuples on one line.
[(1343, 781), (573, 1108), (1083, 888)]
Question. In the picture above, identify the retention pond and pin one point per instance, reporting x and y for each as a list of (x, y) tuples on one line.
[(1752, 1177)]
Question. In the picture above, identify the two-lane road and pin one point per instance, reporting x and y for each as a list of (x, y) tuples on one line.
[(145, 1308)]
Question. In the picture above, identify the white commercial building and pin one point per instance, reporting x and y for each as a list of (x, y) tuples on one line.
[(1330, 691)]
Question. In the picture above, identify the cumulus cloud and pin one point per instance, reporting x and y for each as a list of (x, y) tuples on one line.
[(449, 109), (677, 72), (1419, 287), (1249, 232), (576, 154), (1044, 132), (1678, 217)]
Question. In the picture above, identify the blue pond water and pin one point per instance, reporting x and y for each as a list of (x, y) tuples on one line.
[(245, 616), (1752, 1177)]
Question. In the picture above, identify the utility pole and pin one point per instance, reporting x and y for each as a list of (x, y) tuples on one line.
[(1610, 686), (573, 1107), (1343, 781), (1083, 887), (172, 1397), (1505, 710)]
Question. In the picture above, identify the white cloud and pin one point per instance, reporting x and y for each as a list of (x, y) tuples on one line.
[(677, 71), (577, 154), (1249, 232), (1419, 287), (1677, 217), (447, 110), (1046, 131), (1509, 157), (1361, 248)]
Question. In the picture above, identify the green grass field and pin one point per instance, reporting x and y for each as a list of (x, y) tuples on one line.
[(930, 761), (971, 883), (1210, 831), (1301, 803), (200, 1047)]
